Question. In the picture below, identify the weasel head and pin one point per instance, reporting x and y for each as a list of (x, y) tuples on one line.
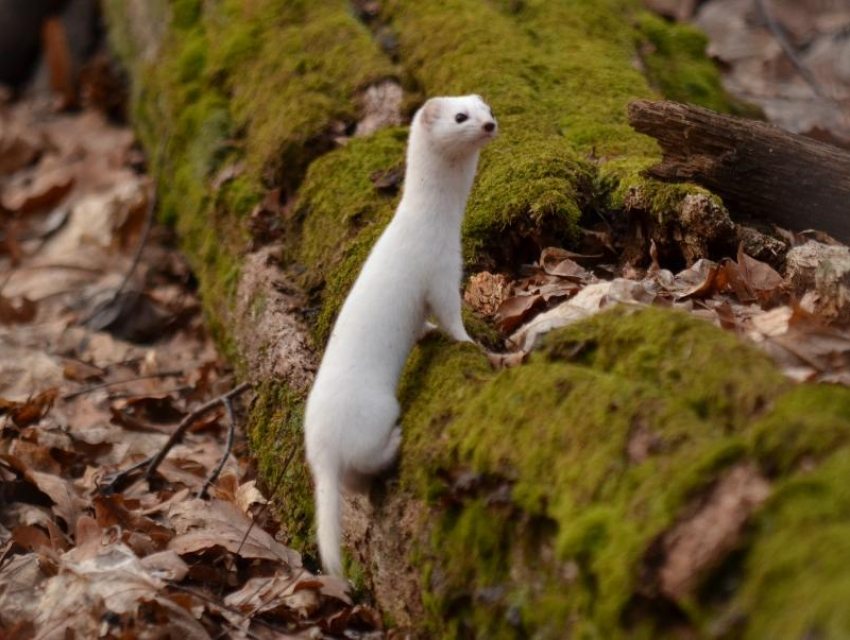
[(456, 126)]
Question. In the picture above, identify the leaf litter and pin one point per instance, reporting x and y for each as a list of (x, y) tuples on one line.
[(801, 318), (93, 382)]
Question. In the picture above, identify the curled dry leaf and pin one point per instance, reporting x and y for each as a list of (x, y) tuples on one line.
[(19, 146), (556, 262), (115, 579), (760, 278), (20, 578), (514, 311), (166, 565), (45, 188)]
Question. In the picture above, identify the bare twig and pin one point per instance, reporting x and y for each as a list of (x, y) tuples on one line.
[(187, 422), (112, 482), (112, 383), (150, 216), (153, 462), (231, 433), (221, 605)]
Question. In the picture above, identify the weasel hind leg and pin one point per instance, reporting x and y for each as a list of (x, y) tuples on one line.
[(358, 476), (374, 464)]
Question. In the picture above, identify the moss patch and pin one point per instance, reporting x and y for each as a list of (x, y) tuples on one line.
[(294, 69), (533, 464), (276, 433)]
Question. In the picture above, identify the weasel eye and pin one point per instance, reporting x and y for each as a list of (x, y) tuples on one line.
[(461, 117)]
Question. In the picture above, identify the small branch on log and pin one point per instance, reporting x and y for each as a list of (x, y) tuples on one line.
[(758, 169)]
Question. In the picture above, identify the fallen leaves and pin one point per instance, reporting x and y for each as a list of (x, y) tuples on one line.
[(91, 383), (800, 319)]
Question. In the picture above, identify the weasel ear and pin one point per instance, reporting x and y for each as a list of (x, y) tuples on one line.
[(430, 113)]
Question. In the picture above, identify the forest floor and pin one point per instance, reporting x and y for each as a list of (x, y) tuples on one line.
[(96, 374)]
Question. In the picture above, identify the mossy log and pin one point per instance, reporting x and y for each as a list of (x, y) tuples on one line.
[(644, 475)]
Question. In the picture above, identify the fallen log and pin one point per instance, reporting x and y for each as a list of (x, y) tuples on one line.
[(759, 170), (595, 490)]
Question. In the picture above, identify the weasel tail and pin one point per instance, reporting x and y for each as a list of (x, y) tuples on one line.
[(327, 519), (413, 272)]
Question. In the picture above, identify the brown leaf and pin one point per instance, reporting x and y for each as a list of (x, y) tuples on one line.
[(31, 410), (80, 371), (17, 310), (514, 311), (113, 579), (485, 291), (282, 595), (67, 503), (20, 578), (31, 538), (759, 277), (709, 286), (203, 525), (18, 147), (34, 456), (554, 263), (51, 182), (167, 565)]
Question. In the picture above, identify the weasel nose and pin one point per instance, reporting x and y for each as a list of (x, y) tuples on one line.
[(489, 127)]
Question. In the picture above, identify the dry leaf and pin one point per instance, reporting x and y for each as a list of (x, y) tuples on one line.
[(203, 525), (31, 410), (17, 310)]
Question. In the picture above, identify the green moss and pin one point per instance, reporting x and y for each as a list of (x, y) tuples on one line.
[(275, 430), (805, 425), (796, 579), (674, 55), (339, 201), (547, 446), (302, 75)]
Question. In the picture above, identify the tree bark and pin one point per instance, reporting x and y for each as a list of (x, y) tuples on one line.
[(758, 169)]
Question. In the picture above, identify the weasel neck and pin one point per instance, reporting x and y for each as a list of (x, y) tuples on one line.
[(434, 185)]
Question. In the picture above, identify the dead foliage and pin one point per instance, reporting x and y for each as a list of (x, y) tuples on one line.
[(92, 383), (800, 318), (792, 62)]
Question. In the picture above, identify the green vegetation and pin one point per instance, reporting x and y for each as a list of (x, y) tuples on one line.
[(580, 521)]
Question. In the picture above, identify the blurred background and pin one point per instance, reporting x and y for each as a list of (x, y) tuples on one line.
[(789, 57)]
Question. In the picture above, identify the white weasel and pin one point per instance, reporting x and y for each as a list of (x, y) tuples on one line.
[(413, 272)]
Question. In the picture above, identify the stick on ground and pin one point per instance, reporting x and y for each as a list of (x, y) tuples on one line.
[(152, 463)]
